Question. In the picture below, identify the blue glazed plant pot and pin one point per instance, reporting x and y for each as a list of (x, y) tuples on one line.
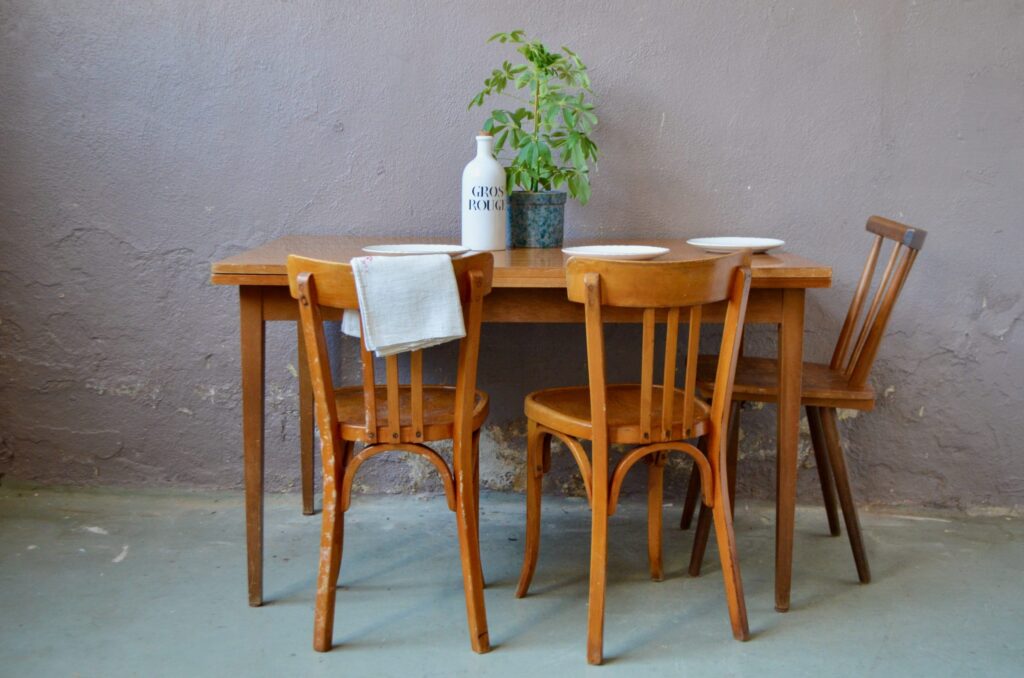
[(536, 219)]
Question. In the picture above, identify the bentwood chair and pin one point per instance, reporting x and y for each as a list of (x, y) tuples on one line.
[(653, 419), (841, 383), (394, 417)]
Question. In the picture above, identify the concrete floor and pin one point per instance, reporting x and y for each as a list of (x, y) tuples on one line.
[(126, 584)]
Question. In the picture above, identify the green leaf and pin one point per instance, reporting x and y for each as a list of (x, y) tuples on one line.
[(583, 191), (579, 160), (574, 184), (545, 152), (524, 154)]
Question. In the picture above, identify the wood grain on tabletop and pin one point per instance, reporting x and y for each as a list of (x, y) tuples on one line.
[(512, 268)]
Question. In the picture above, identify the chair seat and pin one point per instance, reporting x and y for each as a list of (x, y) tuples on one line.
[(757, 380), (438, 413), (568, 410)]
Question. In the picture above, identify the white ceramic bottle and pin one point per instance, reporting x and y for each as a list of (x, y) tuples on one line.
[(483, 199)]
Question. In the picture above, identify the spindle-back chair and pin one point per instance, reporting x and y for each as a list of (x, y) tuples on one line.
[(842, 383)]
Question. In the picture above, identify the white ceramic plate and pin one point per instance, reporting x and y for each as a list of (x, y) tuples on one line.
[(625, 252), (416, 249), (757, 245)]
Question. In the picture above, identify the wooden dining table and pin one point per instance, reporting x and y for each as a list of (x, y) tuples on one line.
[(529, 287)]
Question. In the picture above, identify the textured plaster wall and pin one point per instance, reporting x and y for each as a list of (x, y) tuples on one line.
[(139, 141)]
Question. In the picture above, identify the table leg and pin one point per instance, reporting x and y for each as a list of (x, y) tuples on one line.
[(791, 335), (253, 333), (305, 425)]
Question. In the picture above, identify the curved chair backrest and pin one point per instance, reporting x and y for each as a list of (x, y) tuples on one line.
[(855, 356), (663, 290), (318, 284)]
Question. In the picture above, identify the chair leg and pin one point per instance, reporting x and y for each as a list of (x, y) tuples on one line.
[(655, 492), (828, 492), (536, 444), (692, 497), (732, 452), (476, 495), (339, 521), (466, 517), (331, 535), (598, 563), (306, 432), (838, 462), (700, 540), (704, 520), (726, 540)]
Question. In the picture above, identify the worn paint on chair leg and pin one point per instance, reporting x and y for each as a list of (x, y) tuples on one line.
[(339, 520), (330, 553), (726, 540)]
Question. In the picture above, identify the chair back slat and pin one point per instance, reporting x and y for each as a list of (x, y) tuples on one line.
[(393, 431), (872, 309), (690, 382), (672, 286), (863, 286), (335, 286), (647, 373), (369, 390), (668, 377), (861, 362), (854, 358), (416, 388)]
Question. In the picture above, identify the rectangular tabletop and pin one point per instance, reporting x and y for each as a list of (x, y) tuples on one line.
[(527, 268)]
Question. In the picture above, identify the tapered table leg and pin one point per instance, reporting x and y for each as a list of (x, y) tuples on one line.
[(791, 334), (253, 335)]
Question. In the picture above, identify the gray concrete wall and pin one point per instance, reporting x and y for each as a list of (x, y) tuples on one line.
[(139, 141)]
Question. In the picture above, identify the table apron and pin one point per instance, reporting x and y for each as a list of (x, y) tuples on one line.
[(525, 305)]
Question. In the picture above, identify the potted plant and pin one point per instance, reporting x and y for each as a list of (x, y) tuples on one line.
[(549, 134)]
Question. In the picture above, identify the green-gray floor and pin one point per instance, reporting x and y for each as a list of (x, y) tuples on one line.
[(112, 584)]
